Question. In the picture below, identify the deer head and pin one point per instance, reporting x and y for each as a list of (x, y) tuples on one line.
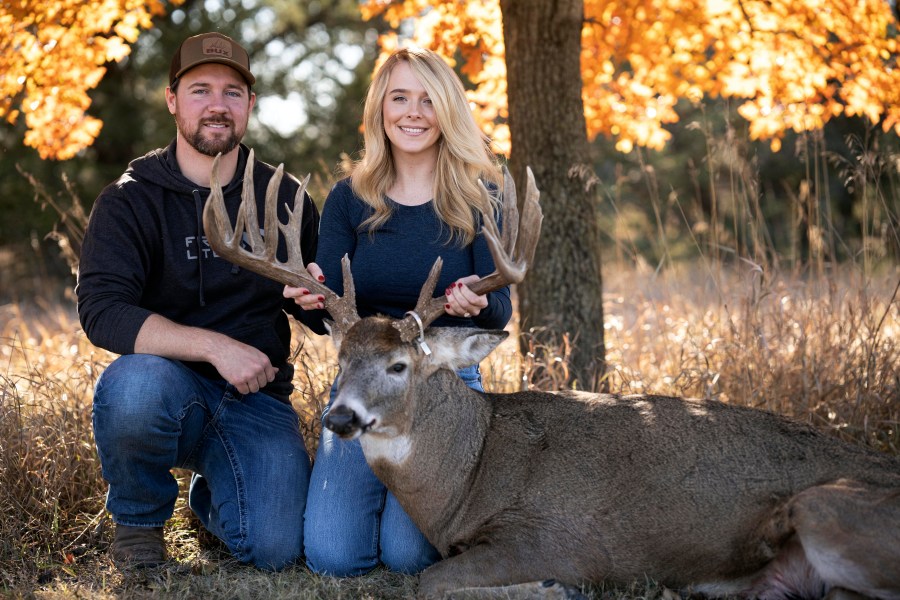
[(512, 253)]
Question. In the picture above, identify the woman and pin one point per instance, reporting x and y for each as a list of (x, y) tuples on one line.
[(412, 197)]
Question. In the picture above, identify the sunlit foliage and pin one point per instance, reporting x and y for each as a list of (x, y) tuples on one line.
[(52, 52), (794, 64)]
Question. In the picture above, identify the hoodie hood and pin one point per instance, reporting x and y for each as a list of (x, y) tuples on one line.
[(160, 167)]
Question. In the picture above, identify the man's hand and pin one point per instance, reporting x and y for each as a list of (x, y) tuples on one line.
[(243, 366)]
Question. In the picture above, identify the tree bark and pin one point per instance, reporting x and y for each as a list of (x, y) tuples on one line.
[(562, 295)]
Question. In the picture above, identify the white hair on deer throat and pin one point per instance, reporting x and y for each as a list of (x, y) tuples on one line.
[(394, 450)]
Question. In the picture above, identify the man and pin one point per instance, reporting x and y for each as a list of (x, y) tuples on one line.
[(203, 382)]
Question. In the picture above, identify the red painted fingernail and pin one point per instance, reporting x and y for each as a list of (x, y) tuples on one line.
[(447, 306), (447, 291), (321, 278), (321, 298)]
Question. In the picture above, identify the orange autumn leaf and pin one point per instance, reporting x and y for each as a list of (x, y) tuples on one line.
[(54, 51)]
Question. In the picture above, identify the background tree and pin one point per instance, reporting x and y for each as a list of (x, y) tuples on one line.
[(563, 292)]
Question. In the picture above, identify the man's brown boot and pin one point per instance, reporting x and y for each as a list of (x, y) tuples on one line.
[(138, 547)]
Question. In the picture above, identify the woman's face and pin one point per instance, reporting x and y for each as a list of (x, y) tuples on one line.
[(409, 118)]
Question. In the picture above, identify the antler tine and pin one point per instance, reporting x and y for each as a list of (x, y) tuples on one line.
[(427, 308), (262, 257), (509, 211), (512, 253)]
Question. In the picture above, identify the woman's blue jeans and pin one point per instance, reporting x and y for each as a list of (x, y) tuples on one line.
[(352, 522), (251, 468)]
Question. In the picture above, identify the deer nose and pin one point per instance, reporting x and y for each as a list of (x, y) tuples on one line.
[(342, 420)]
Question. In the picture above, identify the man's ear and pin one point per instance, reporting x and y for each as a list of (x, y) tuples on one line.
[(171, 101)]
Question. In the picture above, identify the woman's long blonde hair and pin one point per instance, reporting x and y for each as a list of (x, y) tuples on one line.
[(464, 154)]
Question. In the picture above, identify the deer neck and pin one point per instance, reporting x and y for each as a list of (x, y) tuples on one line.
[(437, 456)]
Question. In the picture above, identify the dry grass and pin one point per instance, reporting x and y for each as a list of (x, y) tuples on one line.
[(826, 351)]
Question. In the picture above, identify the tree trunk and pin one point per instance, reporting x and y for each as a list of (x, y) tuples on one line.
[(561, 298)]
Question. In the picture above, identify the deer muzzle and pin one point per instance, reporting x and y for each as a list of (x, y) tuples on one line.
[(344, 421)]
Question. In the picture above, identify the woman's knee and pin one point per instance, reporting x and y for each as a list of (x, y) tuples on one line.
[(337, 546), (404, 548), (338, 558), (272, 552), (410, 553)]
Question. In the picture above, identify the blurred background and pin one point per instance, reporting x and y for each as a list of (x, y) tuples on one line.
[(829, 194)]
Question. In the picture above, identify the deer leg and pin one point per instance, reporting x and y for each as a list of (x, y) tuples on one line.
[(485, 572), (850, 533)]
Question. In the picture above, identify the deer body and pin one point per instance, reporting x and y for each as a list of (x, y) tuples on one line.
[(582, 487), (533, 486)]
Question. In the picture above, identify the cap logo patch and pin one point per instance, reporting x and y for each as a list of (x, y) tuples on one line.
[(216, 47)]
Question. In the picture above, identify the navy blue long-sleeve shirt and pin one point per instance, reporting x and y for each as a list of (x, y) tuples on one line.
[(390, 265)]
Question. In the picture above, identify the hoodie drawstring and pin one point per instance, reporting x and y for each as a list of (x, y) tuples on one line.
[(198, 206)]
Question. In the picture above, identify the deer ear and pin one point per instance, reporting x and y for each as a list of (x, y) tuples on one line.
[(458, 347), (335, 332)]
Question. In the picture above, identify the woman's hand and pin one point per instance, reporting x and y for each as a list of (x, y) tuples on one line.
[(302, 296), (463, 302)]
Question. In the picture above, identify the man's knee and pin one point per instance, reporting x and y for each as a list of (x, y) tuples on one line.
[(131, 395), (133, 376), (133, 381)]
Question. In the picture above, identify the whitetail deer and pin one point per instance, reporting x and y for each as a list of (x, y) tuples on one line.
[(531, 493)]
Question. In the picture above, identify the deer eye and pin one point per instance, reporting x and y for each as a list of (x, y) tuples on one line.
[(398, 367)]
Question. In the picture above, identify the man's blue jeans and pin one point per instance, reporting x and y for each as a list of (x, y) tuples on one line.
[(251, 468), (352, 522)]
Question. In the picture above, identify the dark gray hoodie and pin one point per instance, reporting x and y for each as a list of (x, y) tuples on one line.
[(145, 252)]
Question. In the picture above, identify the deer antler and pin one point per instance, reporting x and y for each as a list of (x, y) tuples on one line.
[(511, 259), (262, 256)]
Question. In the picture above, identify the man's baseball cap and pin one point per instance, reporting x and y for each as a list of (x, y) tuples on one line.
[(210, 48)]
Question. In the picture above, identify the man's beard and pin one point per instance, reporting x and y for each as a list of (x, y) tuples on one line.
[(210, 146)]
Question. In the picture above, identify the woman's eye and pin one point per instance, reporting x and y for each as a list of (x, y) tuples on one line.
[(398, 367)]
